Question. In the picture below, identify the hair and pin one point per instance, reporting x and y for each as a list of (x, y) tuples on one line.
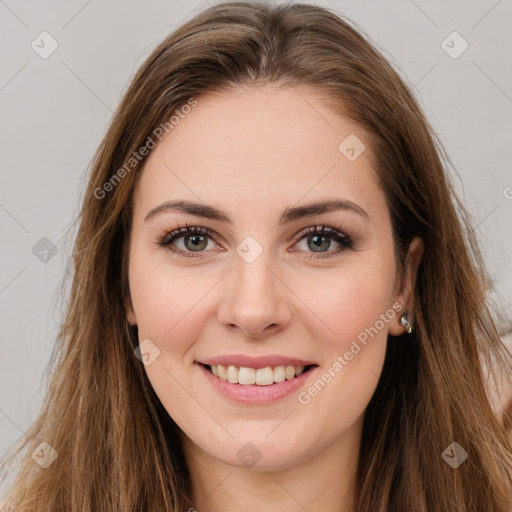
[(118, 448)]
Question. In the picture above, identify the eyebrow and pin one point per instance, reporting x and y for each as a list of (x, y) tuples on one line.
[(288, 215)]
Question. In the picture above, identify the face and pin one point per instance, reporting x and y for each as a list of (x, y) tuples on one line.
[(249, 283)]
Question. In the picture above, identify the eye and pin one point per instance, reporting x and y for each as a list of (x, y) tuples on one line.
[(319, 237), (195, 240)]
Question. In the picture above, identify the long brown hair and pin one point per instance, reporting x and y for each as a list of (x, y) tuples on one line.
[(118, 449)]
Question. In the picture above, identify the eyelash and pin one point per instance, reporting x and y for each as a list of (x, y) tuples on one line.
[(345, 241)]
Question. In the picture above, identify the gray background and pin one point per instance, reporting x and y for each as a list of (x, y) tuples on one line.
[(56, 110)]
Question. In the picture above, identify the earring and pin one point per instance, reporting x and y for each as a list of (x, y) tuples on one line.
[(408, 326)]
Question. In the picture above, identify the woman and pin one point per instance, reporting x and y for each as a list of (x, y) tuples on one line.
[(278, 302)]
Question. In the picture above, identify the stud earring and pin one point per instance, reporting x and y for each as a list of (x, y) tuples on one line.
[(408, 326)]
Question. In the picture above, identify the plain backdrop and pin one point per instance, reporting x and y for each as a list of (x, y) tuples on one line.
[(56, 108)]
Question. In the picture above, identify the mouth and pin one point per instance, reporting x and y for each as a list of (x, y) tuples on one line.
[(267, 376)]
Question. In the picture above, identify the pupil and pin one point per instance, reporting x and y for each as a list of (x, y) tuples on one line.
[(196, 242), (319, 245)]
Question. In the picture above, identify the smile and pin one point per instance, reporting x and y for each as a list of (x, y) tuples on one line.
[(256, 386), (256, 376)]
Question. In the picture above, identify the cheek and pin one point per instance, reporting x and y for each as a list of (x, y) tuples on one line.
[(170, 310), (355, 315), (348, 302), (352, 311), (169, 303)]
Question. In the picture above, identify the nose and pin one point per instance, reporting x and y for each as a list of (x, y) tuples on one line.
[(255, 300)]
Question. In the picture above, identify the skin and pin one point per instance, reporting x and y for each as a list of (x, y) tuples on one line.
[(253, 153)]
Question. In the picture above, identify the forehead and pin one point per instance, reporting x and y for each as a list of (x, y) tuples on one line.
[(263, 143)]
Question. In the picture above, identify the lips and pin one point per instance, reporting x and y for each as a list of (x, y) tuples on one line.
[(241, 360), (254, 394)]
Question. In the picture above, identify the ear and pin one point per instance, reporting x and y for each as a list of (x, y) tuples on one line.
[(406, 283), (130, 313)]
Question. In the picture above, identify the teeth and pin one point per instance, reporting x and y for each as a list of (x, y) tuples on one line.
[(279, 374), (289, 372), (247, 376), (264, 376), (261, 376), (232, 374), (223, 373)]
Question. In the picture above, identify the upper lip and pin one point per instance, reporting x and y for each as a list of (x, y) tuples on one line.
[(256, 362)]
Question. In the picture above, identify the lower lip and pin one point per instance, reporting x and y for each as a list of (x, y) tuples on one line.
[(254, 394)]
